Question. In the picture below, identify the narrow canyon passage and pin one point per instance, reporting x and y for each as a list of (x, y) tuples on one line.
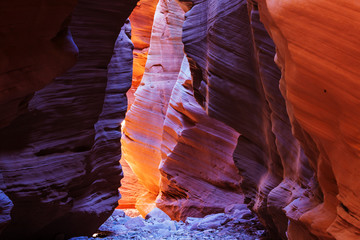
[(213, 119)]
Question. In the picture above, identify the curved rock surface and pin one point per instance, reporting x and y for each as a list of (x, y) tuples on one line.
[(320, 82), (236, 81), (141, 24), (59, 160), (35, 47), (144, 121), (141, 20), (199, 176)]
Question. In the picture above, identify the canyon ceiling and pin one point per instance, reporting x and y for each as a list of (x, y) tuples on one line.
[(226, 101)]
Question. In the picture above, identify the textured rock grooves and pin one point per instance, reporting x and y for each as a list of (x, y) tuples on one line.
[(59, 160), (32, 52), (198, 172), (242, 91), (141, 25), (144, 121), (213, 122), (320, 81), (196, 152), (233, 90)]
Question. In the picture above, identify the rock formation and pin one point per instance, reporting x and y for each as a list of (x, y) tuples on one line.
[(195, 148), (199, 176), (319, 64), (36, 46), (242, 91), (59, 160), (141, 20), (213, 122), (144, 121)]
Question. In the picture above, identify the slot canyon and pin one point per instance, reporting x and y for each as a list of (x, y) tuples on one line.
[(180, 119)]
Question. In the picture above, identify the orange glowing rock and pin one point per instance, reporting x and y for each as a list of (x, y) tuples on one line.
[(141, 25), (142, 136), (318, 53), (130, 188)]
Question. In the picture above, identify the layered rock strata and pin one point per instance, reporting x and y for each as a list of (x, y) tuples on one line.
[(320, 81), (141, 24), (199, 176), (144, 121), (236, 81), (141, 20), (59, 160), (35, 47)]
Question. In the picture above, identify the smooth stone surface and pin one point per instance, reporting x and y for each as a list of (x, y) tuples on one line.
[(157, 215), (212, 221), (134, 223)]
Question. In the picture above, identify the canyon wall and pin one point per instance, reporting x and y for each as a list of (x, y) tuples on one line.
[(59, 159), (289, 143), (199, 176), (36, 46), (141, 20), (320, 81), (301, 188), (214, 121), (144, 121), (236, 81)]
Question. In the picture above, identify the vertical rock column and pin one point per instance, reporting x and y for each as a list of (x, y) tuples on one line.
[(144, 121), (298, 190), (218, 41), (318, 53), (199, 176), (236, 80), (141, 19), (141, 25)]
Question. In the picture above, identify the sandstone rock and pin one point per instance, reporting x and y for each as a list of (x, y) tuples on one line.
[(172, 226), (141, 25), (320, 82), (157, 215), (119, 213), (144, 121), (164, 233), (134, 223), (233, 207), (212, 221), (59, 160), (6, 207), (191, 220), (236, 81), (199, 176), (230, 90), (32, 52), (132, 212), (130, 189)]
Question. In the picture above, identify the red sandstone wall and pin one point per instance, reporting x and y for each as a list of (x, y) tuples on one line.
[(318, 56), (141, 20), (144, 121)]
